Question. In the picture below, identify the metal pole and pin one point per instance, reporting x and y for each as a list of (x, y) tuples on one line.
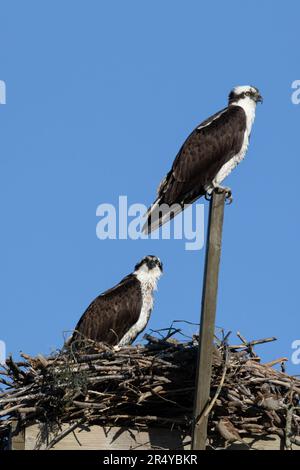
[(208, 315)]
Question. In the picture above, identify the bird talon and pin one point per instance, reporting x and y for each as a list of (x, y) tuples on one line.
[(229, 197), (219, 189), (227, 191), (210, 153)]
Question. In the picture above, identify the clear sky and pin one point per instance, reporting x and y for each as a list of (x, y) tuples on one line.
[(100, 96)]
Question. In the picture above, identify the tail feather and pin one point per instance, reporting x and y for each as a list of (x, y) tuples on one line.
[(160, 213), (156, 216)]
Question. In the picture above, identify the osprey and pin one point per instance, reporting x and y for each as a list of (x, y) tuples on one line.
[(207, 156), (117, 316)]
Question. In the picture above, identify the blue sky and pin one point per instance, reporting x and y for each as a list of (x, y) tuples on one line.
[(100, 96)]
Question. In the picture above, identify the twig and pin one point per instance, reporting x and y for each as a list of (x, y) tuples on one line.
[(210, 404), (65, 433)]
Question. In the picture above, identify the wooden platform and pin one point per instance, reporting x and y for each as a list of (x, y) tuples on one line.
[(99, 438), (117, 438)]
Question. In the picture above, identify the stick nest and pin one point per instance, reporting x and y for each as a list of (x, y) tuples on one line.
[(152, 385)]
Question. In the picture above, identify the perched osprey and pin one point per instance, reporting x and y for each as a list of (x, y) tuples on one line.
[(207, 156), (117, 316)]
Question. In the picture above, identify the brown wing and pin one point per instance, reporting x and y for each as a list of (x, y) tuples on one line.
[(203, 154), (111, 314)]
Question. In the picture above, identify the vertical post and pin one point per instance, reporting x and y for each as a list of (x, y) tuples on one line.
[(208, 315)]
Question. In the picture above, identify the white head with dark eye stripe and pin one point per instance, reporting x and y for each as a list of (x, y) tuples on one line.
[(245, 93), (149, 269)]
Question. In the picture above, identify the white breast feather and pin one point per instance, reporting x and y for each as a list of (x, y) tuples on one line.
[(249, 107), (148, 280)]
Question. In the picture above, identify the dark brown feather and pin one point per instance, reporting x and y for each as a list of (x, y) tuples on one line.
[(111, 314), (203, 154)]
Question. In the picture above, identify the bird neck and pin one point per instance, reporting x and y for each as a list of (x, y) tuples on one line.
[(148, 278), (249, 106)]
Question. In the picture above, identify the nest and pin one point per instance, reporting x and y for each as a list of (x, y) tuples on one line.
[(152, 385)]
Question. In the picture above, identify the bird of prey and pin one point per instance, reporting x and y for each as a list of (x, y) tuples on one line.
[(207, 156), (117, 316)]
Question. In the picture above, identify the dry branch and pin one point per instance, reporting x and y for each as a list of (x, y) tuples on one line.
[(151, 385)]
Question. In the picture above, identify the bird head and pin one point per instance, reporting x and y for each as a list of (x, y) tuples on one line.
[(246, 92), (149, 263), (149, 270)]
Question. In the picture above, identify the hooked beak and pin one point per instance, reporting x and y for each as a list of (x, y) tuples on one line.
[(259, 99), (151, 264), (155, 263)]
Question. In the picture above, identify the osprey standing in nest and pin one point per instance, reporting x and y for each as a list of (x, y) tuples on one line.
[(207, 156), (117, 316)]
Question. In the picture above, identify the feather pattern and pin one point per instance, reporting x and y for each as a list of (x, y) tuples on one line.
[(209, 154), (117, 316), (109, 317)]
